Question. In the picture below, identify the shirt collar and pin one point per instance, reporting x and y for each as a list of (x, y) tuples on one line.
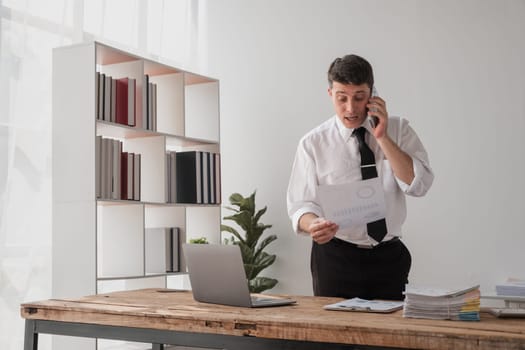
[(345, 132)]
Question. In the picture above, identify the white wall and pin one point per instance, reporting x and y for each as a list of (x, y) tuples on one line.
[(455, 69)]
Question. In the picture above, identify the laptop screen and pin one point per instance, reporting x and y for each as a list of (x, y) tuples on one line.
[(217, 274)]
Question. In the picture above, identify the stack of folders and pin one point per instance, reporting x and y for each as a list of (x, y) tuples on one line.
[(461, 304), (513, 287)]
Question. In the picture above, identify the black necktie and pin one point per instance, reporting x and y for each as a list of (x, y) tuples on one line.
[(376, 229)]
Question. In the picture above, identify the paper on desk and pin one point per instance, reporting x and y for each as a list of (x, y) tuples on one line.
[(358, 304), (353, 204)]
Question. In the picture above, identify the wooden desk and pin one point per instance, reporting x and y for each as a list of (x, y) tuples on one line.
[(159, 316)]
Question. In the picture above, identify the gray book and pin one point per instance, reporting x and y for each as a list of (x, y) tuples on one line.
[(107, 98), (172, 249), (136, 177)]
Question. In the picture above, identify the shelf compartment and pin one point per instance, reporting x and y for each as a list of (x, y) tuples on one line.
[(201, 107), (120, 241)]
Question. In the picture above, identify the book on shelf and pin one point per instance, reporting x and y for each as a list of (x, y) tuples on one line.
[(172, 249), (116, 162), (129, 176), (167, 178), (363, 305), (136, 177), (132, 96), (149, 104), (461, 304), (173, 171), (152, 107), (98, 166), (115, 99), (145, 99), (101, 95), (217, 178), (205, 177), (188, 174), (126, 176), (107, 98), (213, 190), (171, 177), (197, 177), (113, 112), (97, 95), (117, 172), (105, 165), (125, 101)]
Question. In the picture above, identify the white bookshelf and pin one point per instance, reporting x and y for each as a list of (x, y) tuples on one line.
[(102, 244)]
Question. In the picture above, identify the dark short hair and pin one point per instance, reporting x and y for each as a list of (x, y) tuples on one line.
[(351, 69)]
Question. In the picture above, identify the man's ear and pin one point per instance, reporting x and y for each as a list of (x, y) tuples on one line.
[(330, 92)]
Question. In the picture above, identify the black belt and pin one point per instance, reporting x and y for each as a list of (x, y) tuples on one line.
[(367, 246)]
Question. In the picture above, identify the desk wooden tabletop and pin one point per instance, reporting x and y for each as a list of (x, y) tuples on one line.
[(176, 310)]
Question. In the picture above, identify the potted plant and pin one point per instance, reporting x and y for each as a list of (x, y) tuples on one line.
[(254, 257), (200, 240)]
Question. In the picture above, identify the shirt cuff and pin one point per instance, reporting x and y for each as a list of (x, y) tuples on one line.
[(300, 212), (423, 178)]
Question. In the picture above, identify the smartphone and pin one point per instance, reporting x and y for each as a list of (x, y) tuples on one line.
[(373, 120)]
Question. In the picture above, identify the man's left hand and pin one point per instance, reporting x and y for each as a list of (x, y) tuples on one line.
[(377, 108)]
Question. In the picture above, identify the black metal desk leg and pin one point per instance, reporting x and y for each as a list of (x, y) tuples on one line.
[(31, 337), (155, 347)]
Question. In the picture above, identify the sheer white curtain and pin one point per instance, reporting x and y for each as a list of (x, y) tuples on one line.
[(173, 31)]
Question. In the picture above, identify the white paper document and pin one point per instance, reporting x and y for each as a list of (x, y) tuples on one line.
[(353, 204), (358, 304)]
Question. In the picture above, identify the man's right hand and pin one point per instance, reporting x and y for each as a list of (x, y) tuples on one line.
[(320, 229)]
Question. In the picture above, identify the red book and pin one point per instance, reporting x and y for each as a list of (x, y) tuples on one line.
[(122, 101)]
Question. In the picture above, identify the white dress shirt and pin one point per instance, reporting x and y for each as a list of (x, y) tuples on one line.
[(329, 155)]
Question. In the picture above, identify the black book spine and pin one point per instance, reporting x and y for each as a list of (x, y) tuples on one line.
[(186, 177)]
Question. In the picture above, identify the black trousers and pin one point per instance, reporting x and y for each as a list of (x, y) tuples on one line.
[(341, 269)]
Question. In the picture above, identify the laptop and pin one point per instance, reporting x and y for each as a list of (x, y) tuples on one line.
[(217, 276)]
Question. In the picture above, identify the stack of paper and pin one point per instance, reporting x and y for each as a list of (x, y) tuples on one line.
[(513, 287), (442, 304)]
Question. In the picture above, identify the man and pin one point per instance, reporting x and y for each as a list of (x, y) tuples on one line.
[(367, 261)]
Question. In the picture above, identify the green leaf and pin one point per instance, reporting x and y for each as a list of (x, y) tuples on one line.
[(232, 209), (261, 262), (259, 214), (200, 240), (242, 218), (236, 199), (264, 243), (250, 203), (260, 284), (226, 228)]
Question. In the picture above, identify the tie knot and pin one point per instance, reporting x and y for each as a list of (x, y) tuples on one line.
[(360, 134)]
